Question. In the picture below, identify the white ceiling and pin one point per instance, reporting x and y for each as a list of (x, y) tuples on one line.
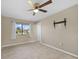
[(18, 8)]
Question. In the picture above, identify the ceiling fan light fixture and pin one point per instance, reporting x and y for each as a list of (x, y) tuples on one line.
[(36, 10), (28, 1)]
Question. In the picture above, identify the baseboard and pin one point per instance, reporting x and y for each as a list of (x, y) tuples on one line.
[(66, 52), (17, 44)]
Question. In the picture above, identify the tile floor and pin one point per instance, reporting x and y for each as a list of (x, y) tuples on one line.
[(32, 51)]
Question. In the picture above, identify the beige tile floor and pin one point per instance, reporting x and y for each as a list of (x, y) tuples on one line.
[(32, 51)]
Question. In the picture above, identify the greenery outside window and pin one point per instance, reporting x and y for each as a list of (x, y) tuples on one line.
[(22, 29)]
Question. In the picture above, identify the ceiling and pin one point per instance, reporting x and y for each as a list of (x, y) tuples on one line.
[(18, 8)]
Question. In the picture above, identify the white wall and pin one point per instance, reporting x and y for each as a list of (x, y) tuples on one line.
[(61, 37), (39, 31)]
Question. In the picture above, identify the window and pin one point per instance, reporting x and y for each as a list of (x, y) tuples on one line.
[(22, 29)]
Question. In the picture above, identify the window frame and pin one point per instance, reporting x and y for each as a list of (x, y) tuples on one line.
[(22, 27)]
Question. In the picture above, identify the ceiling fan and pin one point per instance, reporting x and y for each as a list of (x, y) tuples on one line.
[(37, 7)]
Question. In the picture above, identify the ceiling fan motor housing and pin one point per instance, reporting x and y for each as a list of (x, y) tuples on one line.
[(36, 5)]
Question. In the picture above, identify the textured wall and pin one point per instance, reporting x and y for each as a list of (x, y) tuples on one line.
[(61, 37)]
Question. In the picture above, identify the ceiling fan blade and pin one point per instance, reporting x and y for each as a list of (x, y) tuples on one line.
[(46, 3), (34, 13), (31, 3), (43, 10), (30, 9)]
